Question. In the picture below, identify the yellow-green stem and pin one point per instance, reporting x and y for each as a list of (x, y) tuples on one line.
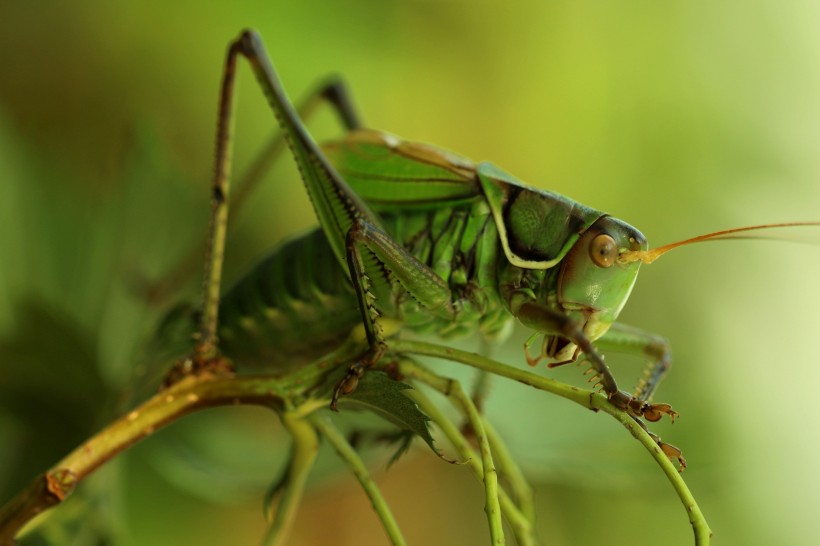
[(585, 398), (512, 472), (326, 427), (305, 449), (522, 528)]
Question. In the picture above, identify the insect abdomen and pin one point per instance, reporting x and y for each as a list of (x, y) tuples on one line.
[(297, 304), (292, 307)]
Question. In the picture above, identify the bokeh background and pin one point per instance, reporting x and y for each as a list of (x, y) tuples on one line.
[(679, 117)]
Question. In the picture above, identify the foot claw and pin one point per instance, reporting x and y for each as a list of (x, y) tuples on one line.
[(654, 412), (673, 453), (641, 408), (348, 383), (355, 371)]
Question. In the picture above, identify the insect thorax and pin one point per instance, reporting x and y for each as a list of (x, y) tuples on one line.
[(461, 245)]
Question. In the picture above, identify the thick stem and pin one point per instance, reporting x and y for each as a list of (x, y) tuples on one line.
[(190, 394), (194, 393)]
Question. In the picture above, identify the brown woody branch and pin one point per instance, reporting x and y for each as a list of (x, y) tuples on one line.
[(189, 395)]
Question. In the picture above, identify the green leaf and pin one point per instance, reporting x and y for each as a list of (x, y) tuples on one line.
[(380, 394)]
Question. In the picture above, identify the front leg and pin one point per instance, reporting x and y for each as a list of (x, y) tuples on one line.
[(543, 319)]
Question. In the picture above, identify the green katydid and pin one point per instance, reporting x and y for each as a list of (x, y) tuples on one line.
[(414, 235)]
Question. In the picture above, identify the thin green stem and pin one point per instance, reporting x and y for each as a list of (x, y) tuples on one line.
[(326, 427), (703, 533), (512, 472), (522, 527), (404, 346), (481, 386), (489, 476), (585, 398), (305, 450)]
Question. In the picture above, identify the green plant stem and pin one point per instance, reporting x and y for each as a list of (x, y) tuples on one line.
[(481, 386), (522, 528), (512, 472), (703, 534), (326, 427), (489, 476), (195, 393), (305, 450), (570, 392), (585, 398)]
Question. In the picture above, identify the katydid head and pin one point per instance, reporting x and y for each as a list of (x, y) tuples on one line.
[(592, 280), (593, 284), (598, 272)]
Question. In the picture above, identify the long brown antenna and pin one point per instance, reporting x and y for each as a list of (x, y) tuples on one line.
[(649, 256)]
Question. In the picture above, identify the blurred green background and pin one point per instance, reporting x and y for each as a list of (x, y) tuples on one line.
[(679, 117)]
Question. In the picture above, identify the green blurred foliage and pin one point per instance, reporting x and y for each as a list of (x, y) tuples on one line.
[(679, 117)]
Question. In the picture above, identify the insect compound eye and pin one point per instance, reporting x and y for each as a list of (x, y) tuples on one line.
[(603, 250)]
